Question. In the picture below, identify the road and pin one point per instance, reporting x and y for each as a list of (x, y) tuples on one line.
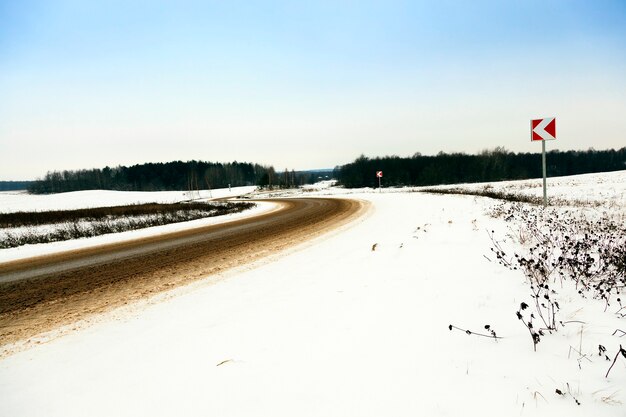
[(46, 293)]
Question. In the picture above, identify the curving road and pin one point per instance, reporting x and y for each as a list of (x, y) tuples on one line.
[(45, 293)]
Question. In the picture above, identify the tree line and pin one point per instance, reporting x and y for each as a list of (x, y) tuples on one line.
[(444, 168), (14, 185), (489, 165), (169, 176)]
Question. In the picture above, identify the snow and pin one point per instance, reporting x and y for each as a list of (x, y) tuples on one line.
[(86, 199), (335, 328), (11, 201), (607, 189)]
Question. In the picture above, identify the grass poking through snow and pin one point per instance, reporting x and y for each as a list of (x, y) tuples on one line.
[(22, 228)]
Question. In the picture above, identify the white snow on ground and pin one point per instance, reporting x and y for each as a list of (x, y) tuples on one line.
[(11, 201), (85, 199), (607, 189), (339, 329)]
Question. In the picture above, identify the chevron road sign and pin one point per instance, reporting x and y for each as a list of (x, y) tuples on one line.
[(543, 129)]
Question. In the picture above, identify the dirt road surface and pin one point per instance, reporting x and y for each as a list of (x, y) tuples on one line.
[(38, 295)]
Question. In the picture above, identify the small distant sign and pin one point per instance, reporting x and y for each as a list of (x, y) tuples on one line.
[(543, 129), (379, 174)]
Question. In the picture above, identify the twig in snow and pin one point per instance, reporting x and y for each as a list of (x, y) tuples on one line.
[(570, 393), (623, 352), (581, 356), (535, 335), (469, 332), (563, 323), (537, 393)]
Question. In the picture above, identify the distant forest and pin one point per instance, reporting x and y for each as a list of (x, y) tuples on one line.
[(170, 176), (14, 185), (490, 165)]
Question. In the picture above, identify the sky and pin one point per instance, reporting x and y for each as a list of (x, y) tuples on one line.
[(302, 85)]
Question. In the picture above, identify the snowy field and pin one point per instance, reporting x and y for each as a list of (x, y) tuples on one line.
[(607, 189), (12, 201), (21, 201), (352, 324)]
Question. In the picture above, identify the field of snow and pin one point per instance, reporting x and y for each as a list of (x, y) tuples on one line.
[(20, 201), (606, 189), (11, 201), (352, 324)]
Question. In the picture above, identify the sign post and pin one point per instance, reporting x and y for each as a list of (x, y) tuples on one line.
[(543, 130), (379, 175)]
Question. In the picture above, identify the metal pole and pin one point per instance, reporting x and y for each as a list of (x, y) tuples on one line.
[(543, 160), (378, 184)]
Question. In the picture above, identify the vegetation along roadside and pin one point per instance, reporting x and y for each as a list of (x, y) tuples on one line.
[(21, 228)]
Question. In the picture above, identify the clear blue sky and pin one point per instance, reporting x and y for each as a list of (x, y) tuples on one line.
[(312, 85)]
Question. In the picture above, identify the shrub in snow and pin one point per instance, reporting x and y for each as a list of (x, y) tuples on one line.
[(583, 251)]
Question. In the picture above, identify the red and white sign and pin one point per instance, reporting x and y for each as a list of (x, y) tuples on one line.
[(543, 129), (379, 174)]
